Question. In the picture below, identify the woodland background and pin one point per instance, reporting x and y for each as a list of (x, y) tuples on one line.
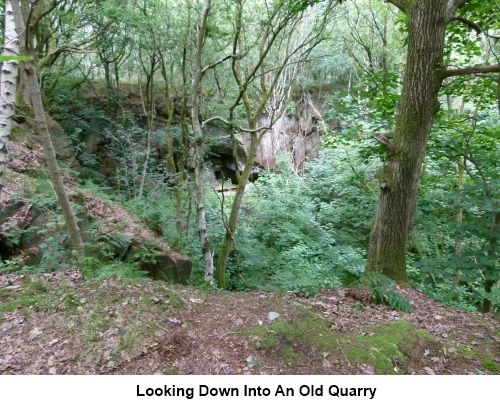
[(256, 139)]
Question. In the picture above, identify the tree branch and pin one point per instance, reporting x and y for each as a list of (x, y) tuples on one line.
[(217, 118), (470, 71), (474, 26), (45, 13), (212, 65), (403, 5), (73, 47), (382, 138)]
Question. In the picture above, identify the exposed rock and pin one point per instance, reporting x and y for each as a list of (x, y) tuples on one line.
[(62, 144), (222, 155), (9, 210), (129, 239), (166, 266), (106, 225), (297, 134)]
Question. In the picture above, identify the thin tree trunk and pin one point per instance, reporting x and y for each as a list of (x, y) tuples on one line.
[(235, 210), (8, 84), (148, 111), (490, 273), (495, 227), (460, 184), (32, 88), (459, 217), (198, 145), (51, 161)]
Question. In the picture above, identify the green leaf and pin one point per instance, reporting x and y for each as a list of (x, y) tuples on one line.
[(4, 58)]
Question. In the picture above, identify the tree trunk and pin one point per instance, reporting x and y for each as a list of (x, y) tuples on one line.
[(8, 84), (459, 217), (51, 161), (415, 112), (235, 210), (32, 88), (198, 145), (495, 227), (490, 272)]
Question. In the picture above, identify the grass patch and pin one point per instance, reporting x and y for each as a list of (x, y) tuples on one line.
[(492, 367), (175, 301), (32, 294)]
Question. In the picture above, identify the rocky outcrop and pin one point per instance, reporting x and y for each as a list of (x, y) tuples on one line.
[(297, 133), (111, 231), (125, 237)]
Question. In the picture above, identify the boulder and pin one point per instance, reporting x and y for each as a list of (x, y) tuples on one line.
[(164, 265)]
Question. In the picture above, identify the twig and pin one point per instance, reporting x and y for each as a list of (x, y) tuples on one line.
[(342, 350)]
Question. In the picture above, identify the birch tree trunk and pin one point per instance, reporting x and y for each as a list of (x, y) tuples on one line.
[(198, 144), (8, 84)]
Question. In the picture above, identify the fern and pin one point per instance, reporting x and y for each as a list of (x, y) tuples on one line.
[(382, 289)]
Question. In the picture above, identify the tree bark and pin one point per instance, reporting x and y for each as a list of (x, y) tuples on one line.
[(8, 84), (489, 281), (198, 145), (415, 112)]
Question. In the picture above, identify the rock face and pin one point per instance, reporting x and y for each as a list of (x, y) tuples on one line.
[(297, 134)]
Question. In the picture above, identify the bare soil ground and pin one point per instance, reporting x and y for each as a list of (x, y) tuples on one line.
[(61, 323)]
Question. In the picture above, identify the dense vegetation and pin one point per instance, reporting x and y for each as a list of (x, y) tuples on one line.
[(141, 87)]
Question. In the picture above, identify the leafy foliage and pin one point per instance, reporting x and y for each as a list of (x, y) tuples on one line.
[(383, 291)]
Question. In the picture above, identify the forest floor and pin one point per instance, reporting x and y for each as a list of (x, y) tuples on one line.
[(61, 323)]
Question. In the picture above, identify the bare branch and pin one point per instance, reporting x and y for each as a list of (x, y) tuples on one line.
[(382, 138), (212, 65), (217, 118), (470, 71)]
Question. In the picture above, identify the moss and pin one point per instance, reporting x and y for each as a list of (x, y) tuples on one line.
[(18, 134), (390, 348), (484, 354), (290, 340)]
